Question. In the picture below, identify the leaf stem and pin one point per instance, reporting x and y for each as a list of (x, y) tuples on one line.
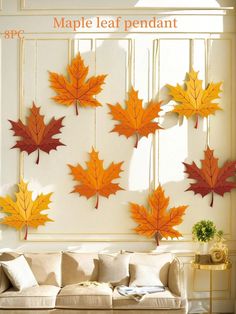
[(76, 107), (97, 201), (137, 140), (26, 232), (37, 160), (212, 199), (158, 238), (196, 124)]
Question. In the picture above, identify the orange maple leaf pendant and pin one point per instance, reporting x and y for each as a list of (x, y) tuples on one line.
[(78, 90), (157, 221), (135, 120), (95, 180)]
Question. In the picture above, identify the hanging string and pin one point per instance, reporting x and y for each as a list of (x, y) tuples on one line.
[(21, 101), (93, 48), (206, 83), (156, 91), (36, 70), (130, 65), (150, 177)]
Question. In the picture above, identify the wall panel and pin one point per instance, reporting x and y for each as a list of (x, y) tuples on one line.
[(147, 60)]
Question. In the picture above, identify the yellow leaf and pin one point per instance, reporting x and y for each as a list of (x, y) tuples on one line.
[(25, 212), (194, 100)]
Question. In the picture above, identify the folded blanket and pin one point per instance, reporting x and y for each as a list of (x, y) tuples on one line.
[(139, 293)]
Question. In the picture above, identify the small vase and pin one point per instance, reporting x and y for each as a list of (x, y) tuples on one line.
[(203, 248)]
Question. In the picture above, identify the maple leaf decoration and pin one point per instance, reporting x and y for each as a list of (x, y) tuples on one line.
[(135, 120), (36, 135), (77, 90), (195, 100), (157, 221), (95, 180), (210, 178), (25, 212)]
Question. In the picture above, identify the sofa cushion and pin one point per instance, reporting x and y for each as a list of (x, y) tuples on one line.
[(114, 268), (19, 273), (142, 275), (159, 300), (174, 277), (77, 267), (160, 261), (4, 280), (46, 267), (85, 297), (37, 297)]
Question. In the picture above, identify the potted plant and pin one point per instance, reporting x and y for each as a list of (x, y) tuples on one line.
[(203, 232)]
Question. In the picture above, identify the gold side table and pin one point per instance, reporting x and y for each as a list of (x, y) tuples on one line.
[(211, 268)]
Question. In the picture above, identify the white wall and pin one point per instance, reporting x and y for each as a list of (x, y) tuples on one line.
[(204, 39)]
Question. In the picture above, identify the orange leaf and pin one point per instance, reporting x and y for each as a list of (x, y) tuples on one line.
[(95, 180), (157, 221), (195, 100), (25, 211), (36, 135), (77, 90), (210, 178), (135, 120)]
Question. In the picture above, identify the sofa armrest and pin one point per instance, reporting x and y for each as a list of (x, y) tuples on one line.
[(4, 281), (176, 278)]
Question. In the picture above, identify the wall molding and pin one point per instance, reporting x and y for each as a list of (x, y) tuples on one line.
[(108, 237), (130, 7)]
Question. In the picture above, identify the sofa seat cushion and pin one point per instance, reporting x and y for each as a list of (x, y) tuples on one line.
[(85, 297), (154, 301), (37, 297)]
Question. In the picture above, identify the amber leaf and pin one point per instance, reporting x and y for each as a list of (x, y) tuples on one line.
[(135, 120), (157, 221), (95, 180), (77, 90)]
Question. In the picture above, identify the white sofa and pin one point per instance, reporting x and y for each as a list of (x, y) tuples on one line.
[(59, 273)]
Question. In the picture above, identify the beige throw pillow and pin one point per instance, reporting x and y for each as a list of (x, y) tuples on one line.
[(79, 266), (4, 280), (114, 269), (19, 273), (142, 275), (46, 267)]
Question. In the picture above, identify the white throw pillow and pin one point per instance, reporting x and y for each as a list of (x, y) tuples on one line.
[(19, 273), (142, 276), (114, 268)]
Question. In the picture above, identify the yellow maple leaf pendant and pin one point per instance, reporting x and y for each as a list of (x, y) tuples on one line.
[(25, 212), (194, 100)]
